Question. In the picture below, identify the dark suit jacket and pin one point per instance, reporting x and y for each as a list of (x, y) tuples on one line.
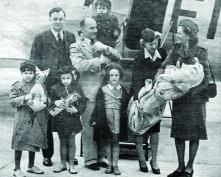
[(46, 53)]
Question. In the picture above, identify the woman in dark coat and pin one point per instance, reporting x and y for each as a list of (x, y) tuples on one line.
[(189, 111), (146, 65)]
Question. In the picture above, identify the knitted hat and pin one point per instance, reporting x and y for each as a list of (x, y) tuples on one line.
[(190, 24), (148, 35)]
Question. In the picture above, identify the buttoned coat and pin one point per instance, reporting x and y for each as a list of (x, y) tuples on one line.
[(189, 111), (46, 53), (102, 131), (30, 128)]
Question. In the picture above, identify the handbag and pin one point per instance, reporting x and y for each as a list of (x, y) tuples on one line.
[(211, 90)]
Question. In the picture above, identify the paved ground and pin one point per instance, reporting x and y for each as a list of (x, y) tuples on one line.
[(208, 160)]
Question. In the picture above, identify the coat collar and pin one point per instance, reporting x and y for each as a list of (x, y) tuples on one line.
[(55, 33), (193, 51), (155, 56), (112, 87), (26, 87)]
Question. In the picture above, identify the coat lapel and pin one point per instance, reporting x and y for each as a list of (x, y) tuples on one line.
[(87, 48), (51, 39)]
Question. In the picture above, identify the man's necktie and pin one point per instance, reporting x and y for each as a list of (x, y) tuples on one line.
[(59, 38)]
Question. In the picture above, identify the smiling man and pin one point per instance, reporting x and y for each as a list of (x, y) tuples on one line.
[(89, 57), (50, 50)]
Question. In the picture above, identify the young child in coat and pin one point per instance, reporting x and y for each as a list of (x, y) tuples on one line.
[(110, 116), (30, 129), (107, 24), (67, 95)]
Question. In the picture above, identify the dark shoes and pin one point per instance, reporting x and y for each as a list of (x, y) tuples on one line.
[(187, 174), (176, 174), (102, 164), (143, 167), (47, 162), (154, 170), (93, 166)]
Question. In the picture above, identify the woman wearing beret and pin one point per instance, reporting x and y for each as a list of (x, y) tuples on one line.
[(146, 64), (189, 111)]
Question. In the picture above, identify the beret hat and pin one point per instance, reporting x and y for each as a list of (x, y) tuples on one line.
[(190, 24)]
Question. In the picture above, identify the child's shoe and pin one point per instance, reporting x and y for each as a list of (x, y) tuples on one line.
[(72, 170), (116, 170), (109, 169), (35, 170), (18, 173), (60, 169)]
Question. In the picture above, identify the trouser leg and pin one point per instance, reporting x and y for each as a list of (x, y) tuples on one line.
[(89, 146), (48, 153)]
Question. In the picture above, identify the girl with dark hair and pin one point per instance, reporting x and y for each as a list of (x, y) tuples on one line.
[(30, 127), (68, 96), (110, 116)]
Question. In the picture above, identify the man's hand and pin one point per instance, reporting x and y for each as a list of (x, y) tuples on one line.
[(29, 102), (98, 46), (104, 59), (71, 109), (59, 103)]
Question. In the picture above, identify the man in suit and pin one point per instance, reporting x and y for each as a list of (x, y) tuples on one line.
[(50, 49), (89, 57)]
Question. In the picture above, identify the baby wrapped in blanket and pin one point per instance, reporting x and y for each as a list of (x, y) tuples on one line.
[(172, 84), (175, 82)]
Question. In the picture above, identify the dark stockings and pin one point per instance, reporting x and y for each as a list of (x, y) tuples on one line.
[(31, 159), (180, 147)]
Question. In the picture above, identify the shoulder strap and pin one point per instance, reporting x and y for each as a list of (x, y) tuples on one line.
[(211, 71)]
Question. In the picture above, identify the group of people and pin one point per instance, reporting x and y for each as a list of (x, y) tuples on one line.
[(84, 84)]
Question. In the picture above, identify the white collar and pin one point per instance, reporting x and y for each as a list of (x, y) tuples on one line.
[(55, 33), (155, 56), (111, 87)]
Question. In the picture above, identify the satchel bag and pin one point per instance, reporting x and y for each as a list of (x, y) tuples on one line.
[(211, 90)]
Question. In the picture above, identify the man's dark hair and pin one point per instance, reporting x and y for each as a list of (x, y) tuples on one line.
[(56, 9), (82, 23)]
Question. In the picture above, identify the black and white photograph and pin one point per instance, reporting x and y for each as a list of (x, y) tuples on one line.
[(128, 88)]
